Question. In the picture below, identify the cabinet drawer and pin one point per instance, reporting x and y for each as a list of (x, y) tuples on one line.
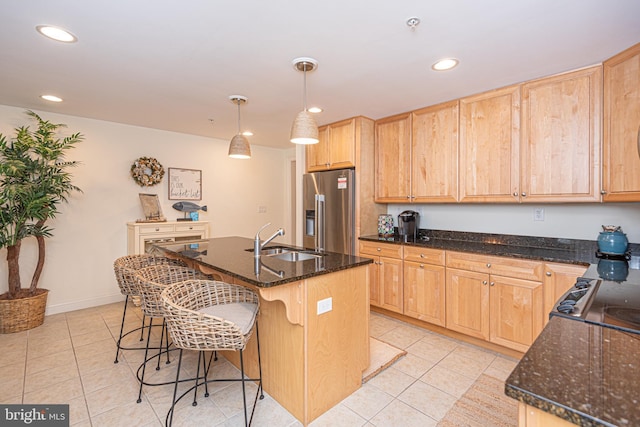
[(381, 249), (156, 228), (190, 227), (499, 266), (424, 255)]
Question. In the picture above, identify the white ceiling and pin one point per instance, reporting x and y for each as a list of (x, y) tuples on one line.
[(172, 65)]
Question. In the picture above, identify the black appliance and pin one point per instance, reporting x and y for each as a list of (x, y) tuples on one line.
[(608, 294), (408, 225)]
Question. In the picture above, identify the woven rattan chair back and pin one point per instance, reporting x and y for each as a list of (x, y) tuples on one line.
[(125, 269), (154, 279), (193, 330)]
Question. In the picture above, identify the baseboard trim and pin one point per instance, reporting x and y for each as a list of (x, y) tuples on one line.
[(79, 305)]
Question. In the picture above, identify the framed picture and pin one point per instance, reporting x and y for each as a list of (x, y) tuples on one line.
[(151, 208), (185, 184)]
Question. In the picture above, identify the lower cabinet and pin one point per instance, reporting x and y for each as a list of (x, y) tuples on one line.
[(424, 284), (497, 308), (502, 300), (386, 281)]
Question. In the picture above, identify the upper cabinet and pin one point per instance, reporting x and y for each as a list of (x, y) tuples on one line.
[(621, 148), (393, 159), (434, 154), (417, 156), (489, 146), (336, 148), (560, 148)]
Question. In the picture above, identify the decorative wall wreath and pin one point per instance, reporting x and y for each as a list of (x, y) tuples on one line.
[(147, 171)]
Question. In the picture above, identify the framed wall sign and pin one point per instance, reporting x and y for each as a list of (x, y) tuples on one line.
[(185, 184)]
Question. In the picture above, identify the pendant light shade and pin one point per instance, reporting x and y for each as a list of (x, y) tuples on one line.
[(304, 129), (239, 147)]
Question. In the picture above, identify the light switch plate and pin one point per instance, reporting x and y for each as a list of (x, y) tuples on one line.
[(325, 305)]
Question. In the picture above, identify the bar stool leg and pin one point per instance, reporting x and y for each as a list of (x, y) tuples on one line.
[(144, 362), (124, 313), (169, 420)]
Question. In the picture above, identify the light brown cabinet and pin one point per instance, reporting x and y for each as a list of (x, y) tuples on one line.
[(434, 154), (494, 298), (424, 284), (489, 146), (336, 148), (386, 279), (393, 159), (621, 147), (558, 278), (417, 156), (560, 131)]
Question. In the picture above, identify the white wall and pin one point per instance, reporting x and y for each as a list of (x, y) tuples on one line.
[(571, 221), (90, 232)]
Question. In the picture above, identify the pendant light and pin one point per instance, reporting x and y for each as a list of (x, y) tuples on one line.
[(239, 147), (304, 129)]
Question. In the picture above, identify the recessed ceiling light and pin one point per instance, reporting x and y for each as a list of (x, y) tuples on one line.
[(315, 110), (247, 133), (51, 98), (56, 33), (445, 64)]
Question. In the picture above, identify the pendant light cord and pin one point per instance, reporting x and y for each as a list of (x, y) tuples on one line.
[(239, 127), (304, 97)]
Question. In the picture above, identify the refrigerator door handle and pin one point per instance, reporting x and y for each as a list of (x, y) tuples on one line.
[(320, 222)]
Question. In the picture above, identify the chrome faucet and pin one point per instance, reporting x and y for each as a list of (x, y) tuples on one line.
[(257, 246)]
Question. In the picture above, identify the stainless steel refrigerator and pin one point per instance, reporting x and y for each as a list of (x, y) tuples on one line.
[(329, 211)]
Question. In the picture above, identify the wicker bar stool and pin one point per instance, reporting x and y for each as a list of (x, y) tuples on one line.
[(151, 281), (207, 315), (125, 269)]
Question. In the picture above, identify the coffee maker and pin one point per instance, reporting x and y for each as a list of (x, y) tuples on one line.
[(408, 225)]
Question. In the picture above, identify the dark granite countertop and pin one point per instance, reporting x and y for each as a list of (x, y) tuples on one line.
[(230, 256), (586, 374), (568, 251)]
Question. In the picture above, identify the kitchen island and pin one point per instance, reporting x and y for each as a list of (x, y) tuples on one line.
[(578, 373), (314, 319)]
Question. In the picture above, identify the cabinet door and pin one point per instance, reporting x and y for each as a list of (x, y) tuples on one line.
[(374, 283), (318, 154), (390, 279), (342, 145), (467, 299), (560, 148), (489, 146), (393, 159), (558, 278), (424, 292), (434, 153), (621, 153), (515, 312)]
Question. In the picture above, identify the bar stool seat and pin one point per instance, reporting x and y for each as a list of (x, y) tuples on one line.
[(209, 315), (151, 281), (125, 269)]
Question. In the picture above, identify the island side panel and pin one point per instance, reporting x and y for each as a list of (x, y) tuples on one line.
[(338, 340), (281, 353)]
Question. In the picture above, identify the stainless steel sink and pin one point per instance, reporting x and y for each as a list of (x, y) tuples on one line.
[(285, 253), (293, 256), (273, 250)]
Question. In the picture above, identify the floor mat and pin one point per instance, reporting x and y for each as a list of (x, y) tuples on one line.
[(484, 404), (381, 356)]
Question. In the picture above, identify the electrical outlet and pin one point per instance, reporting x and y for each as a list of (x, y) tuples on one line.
[(538, 214), (262, 209), (325, 305)]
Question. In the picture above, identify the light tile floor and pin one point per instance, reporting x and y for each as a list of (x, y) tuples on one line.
[(70, 358)]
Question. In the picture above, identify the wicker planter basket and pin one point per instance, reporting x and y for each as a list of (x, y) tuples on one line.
[(22, 314)]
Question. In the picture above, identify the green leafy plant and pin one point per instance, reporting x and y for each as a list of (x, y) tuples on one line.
[(34, 181)]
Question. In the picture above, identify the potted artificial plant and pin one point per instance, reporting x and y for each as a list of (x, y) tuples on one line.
[(34, 181)]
